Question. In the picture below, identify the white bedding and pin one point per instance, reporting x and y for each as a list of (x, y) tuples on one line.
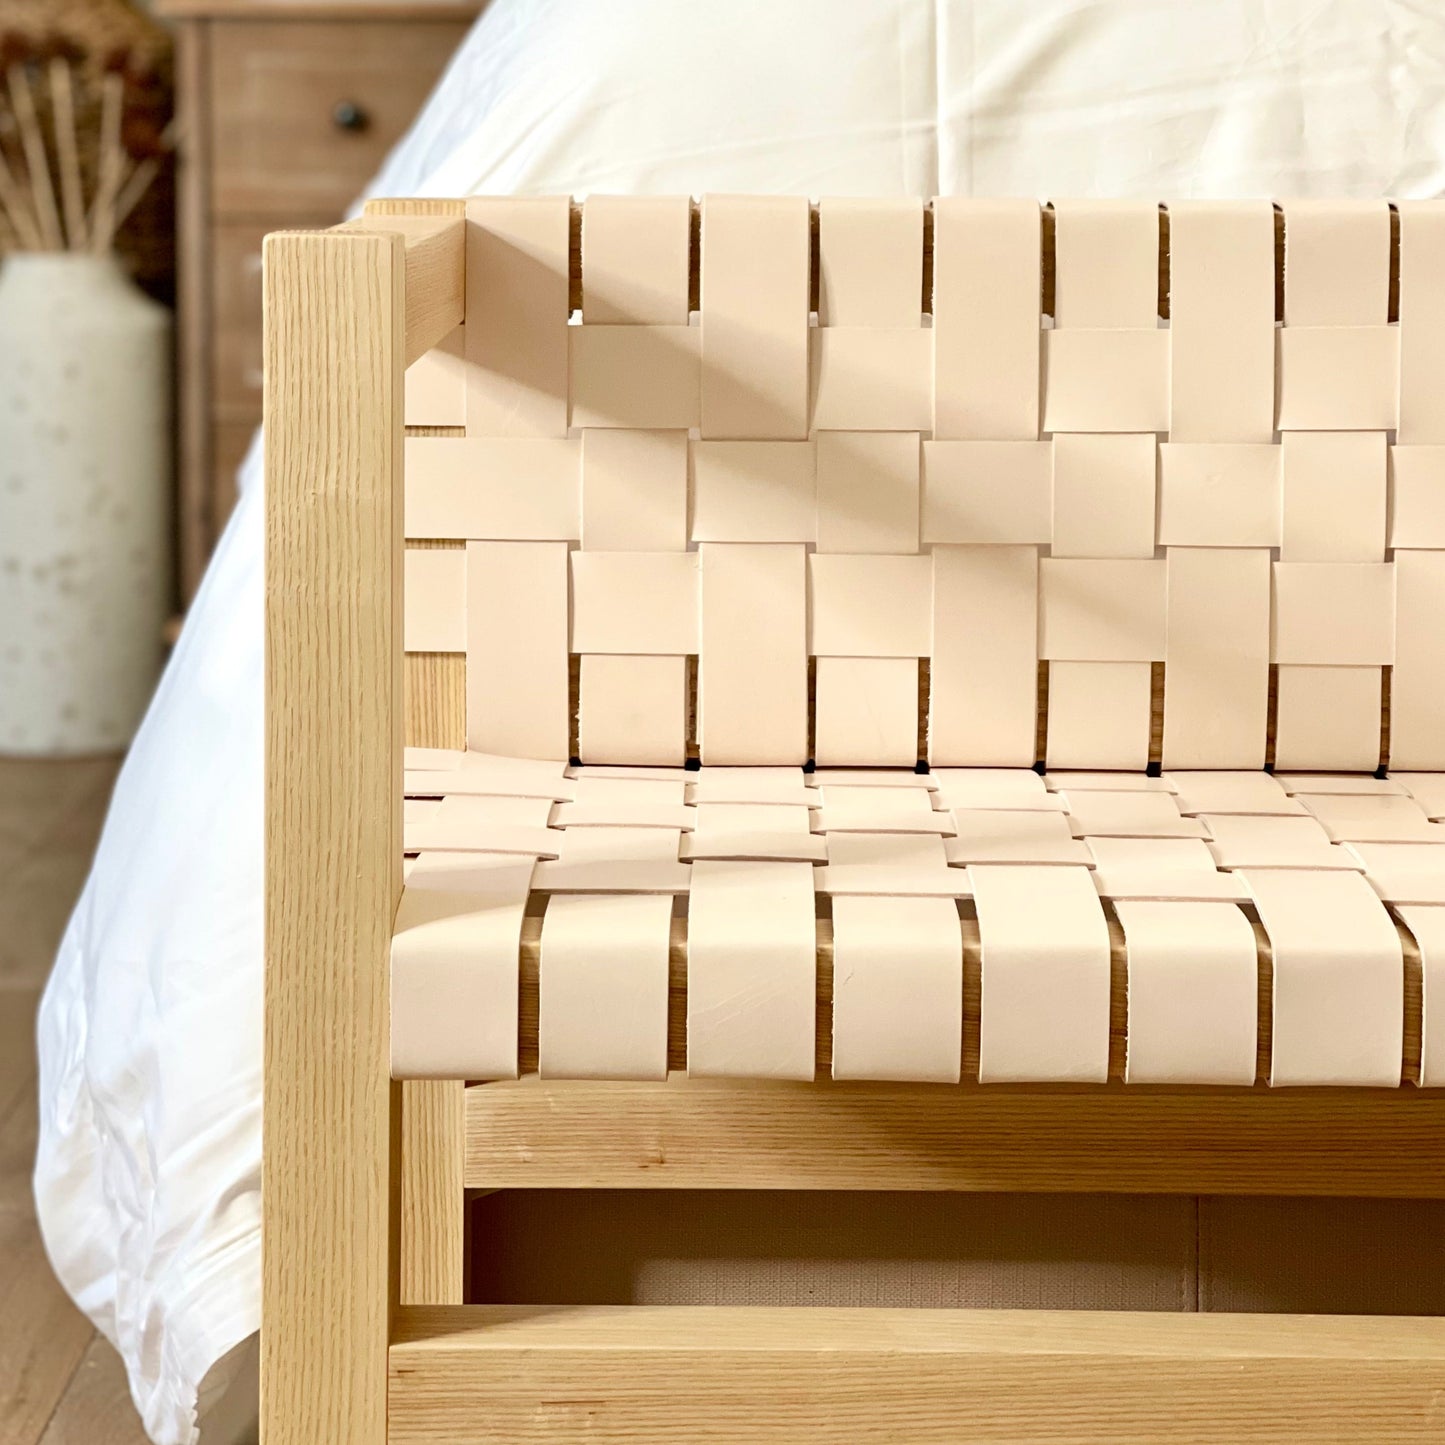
[(150, 1037)]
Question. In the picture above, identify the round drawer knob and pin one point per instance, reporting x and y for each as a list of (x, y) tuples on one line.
[(348, 115)]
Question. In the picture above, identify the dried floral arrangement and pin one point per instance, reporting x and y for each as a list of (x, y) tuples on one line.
[(85, 131)]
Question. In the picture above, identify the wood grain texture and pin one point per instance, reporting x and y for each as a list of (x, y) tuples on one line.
[(834, 1377), (713, 1134), (435, 273), (335, 330), (421, 211), (436, 700), (433, 1193), (415, 206)]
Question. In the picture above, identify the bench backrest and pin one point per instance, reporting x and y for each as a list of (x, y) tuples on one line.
[(981, 483)]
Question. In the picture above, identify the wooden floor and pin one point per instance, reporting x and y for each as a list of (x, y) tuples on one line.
[(60, 1382)]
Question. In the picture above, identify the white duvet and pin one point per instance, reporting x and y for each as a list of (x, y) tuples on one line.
[(150, 1032)]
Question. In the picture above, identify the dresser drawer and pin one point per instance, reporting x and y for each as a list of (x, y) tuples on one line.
[(304, 113), (236, 319)]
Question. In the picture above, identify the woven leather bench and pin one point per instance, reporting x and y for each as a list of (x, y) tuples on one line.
[(967, 644)]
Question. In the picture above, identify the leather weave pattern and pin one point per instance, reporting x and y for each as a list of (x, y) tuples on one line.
[(820, 513)]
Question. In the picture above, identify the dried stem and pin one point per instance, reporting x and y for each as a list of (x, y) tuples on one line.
[(17, 209), (142, 174), (139, 180), (112, 160), (32, 140), (67, 148)]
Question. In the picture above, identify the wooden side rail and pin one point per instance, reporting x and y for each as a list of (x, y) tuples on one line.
[(837, 1376), (714, 1134)]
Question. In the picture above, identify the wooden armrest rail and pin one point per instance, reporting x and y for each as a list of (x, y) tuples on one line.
[(435, 248)]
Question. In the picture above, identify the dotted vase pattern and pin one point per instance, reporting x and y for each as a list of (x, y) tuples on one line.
[(84, 483)]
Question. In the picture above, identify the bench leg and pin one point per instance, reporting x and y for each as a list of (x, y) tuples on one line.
[(335, 352)]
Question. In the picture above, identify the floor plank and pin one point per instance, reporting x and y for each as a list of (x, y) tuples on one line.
[(41, 1342), (96, 1409), (59, 1381), (19, 1129), (17, 1042), (50, 817)]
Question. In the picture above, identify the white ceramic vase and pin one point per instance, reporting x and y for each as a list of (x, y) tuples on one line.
[(84, 503)]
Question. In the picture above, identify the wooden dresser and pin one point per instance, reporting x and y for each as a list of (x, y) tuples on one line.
[(288, 108)]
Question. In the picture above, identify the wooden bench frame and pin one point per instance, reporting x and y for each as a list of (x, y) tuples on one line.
[(365, 1338)]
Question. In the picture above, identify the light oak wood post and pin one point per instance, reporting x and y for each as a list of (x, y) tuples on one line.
[(433, 1192), (335, 352)]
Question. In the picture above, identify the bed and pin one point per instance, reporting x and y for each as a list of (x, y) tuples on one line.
[(147, 1178)]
